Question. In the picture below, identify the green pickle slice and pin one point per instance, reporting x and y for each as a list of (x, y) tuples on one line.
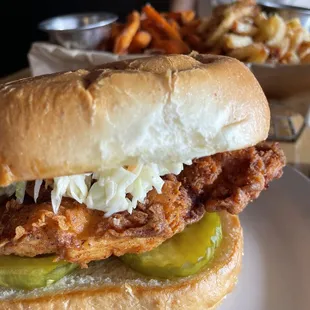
[(32, 272), (182, 255)]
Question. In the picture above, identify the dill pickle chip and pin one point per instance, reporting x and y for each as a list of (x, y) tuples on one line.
[(182, 255), (32, 272)]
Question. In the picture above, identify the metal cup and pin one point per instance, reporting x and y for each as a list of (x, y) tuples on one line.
[(79, 31)]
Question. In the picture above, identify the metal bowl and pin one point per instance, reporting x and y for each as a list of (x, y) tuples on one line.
[(79, 31), (287, 12)]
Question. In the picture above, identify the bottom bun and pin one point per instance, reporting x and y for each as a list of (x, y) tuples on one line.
[(110, 284)]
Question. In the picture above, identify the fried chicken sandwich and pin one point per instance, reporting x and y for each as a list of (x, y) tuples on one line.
[(121, 185)]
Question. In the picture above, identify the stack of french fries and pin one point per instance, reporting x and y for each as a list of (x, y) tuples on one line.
[(243, 31), (240, 30), (153, 32)]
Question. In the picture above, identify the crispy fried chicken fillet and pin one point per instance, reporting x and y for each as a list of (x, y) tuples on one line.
[(225, 181)]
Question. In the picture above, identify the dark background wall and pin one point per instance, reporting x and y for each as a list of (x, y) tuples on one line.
[(19, 20)]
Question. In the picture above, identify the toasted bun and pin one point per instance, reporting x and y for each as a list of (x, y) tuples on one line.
[(158, 109), (110, 284)]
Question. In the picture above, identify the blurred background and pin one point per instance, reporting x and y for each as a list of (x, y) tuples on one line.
[(19, 20)]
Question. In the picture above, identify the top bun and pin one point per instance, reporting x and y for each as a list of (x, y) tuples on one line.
[(158, 109)]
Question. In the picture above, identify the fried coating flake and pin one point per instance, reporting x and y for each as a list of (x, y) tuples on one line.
[(225, 181)]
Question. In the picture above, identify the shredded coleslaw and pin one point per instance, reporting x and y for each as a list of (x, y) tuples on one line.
[(106, 191)]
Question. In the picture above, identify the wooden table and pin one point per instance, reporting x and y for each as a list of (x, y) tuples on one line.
[(298, 153)]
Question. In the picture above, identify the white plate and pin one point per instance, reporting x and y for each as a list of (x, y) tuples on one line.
[(275, 272)]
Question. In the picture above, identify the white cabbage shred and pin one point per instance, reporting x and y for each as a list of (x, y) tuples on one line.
[(105, 191), (72, 186), (19, 188), (37, 186), (20, 191), (108, 192), (8, 191)]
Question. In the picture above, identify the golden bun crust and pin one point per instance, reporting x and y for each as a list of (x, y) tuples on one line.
[(156, 109), (111, 285)]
